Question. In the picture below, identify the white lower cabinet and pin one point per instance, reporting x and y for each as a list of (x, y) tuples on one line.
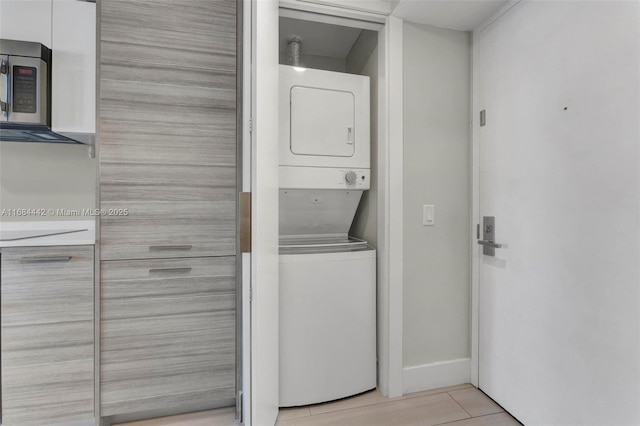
[(47, 342)]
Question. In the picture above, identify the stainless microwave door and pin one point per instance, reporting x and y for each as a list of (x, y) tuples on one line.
[(28, 90), (4, 87)]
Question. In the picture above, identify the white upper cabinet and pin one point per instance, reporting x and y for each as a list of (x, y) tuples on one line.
[(26, 20), (68, 28), (73, 86)]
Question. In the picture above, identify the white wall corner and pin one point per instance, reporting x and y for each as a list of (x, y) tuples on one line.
[(436, 375), (495, 16)]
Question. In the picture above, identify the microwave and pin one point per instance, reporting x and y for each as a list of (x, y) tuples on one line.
[(25, 85), (25, 93)]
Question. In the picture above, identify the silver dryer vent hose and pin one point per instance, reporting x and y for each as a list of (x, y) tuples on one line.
[(294, 51)]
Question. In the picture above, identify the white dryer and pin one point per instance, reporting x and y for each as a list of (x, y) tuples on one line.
[(324, 123), (327, 278)]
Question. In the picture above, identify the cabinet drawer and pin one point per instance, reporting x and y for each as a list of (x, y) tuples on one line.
[(168, 333), (47, 341), (168, 230)]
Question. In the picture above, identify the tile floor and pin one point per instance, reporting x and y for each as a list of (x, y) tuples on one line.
[(462, 405)]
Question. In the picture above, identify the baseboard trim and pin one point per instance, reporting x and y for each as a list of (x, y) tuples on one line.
[(85, 422), (436, 375), (164, 412)]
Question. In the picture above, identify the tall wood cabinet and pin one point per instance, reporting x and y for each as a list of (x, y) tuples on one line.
[(167, 150)]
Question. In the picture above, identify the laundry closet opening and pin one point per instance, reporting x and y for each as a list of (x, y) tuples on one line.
[(328, 208)]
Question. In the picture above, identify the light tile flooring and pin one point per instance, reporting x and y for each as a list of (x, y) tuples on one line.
[(462, 405)]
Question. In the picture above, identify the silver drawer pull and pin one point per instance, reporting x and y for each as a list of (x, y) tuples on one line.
[(38, 259), (181, 270), (489, 243), (172, 247)]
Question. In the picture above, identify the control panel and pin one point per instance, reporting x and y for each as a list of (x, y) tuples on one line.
[(324, 177), (25, 89), (355, 178)]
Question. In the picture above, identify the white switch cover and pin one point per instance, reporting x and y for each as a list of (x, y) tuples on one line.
[(428, 215)]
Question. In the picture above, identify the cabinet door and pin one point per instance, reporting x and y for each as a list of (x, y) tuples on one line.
[(73, 86), (168, 334), (168, 128), (173, 208), (26, 20), (47, 335)]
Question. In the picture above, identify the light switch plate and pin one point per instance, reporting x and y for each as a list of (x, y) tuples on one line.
[(428, 215)]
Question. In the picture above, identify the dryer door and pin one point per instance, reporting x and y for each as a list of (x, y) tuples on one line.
[(322, 122)]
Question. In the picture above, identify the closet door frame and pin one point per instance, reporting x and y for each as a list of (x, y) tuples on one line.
[(390, 206)]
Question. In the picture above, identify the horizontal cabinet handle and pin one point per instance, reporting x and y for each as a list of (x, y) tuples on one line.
[(182, 270), (172, 247), (38, 259)]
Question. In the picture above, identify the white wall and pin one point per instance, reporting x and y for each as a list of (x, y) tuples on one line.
[(46, 176), (436, 171), (363, 60), (326, 63)]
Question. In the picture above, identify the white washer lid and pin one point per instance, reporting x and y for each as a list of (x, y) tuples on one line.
[(314, 212)]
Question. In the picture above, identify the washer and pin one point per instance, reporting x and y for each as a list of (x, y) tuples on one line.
[(327, 279), (327, 323)]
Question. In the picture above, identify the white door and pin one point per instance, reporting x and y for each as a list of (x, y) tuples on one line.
[(264, 213), (559, 323)]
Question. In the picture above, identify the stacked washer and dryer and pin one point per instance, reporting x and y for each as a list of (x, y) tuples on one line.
[(327, 278)]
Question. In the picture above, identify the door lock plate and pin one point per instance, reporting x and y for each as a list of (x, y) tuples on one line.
[(488, 234)]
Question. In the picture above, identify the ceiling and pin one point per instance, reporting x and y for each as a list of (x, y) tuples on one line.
[(462, 15), (319, 38), (322, 39)]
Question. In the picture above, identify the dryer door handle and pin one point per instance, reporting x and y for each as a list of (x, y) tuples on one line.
[(350, 135)]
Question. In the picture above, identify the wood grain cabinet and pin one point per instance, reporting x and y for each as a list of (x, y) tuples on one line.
[(167, 151), (173, 210), (168, 128), (168, 333), (47, 336)]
